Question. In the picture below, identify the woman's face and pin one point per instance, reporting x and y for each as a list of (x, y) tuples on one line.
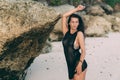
[(74, 22)]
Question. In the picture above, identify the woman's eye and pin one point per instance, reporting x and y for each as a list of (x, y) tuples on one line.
[(76, 21)]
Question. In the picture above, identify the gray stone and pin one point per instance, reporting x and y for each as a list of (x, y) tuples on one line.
[(107, 8), (117, 14), (57, 34), (96, 26), (114, 20), (95, 10), (24, 28)]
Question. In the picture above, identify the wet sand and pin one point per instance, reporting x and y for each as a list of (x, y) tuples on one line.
[(102, 56)]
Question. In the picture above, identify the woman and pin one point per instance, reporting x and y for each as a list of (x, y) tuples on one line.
[(73, 41)]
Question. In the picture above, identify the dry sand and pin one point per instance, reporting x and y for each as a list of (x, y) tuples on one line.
[(102, 56)]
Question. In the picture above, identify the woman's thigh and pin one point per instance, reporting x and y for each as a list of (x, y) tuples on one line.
[(80, 76)]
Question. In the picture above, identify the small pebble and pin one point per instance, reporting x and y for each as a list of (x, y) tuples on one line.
[(90, 54), (110, 75), (45, 60), (47, 68), (101, 72)]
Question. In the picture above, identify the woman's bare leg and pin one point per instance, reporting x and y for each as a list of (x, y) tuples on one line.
[(80, 76)]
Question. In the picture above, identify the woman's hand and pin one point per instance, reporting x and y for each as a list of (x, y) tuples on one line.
[(80, 7), (79, 68)]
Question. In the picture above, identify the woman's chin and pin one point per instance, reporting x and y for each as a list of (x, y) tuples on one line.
[(74, 28)]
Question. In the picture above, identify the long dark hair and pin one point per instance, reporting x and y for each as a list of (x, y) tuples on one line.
[(81, 24)]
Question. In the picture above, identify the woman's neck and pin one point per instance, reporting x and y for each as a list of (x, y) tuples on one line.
[(72, 31)]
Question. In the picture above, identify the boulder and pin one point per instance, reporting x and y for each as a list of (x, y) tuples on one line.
[(95, 10), (117, 7), (56, 34), (115, 21), (96, 26), (116, 24), (47, 47), (107, 8), (117, 14), (24, 28)]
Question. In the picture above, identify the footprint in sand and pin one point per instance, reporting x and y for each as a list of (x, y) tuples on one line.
[(101, 72), (117, 58), (93, 46), (45, 60), (47, 68), (90, 54), (110, 75)]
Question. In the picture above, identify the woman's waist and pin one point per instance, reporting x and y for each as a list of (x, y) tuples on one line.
[(76, 52)]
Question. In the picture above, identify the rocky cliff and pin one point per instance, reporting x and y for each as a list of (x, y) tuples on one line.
[(24, 28)]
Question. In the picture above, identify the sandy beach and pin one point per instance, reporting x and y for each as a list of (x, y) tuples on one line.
[(102, 56)]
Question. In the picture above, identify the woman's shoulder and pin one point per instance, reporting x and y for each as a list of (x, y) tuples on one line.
[(80, 34)]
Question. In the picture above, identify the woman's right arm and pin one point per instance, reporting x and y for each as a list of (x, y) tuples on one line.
[(65, 15)]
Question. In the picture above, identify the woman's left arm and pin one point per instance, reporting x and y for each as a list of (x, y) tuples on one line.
[(81, 41)]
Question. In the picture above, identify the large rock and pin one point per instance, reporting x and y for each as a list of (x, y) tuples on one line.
[(117, 7), (95, 10), (117, 14), (107, 8), (47, 48), (115, 21), (24, 28), (56, 34), (96, 26), (116, 24)]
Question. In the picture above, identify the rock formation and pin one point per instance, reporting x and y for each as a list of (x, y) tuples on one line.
[(57, 34), (115, 20), (24, 28), (95, 10), (96, 26), (99, 20)]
